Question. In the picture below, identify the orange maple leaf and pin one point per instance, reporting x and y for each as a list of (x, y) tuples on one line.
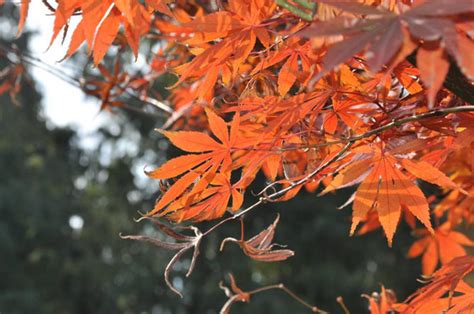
[(381, 303), (384, 188), (292, 51), (238, 28), (213, 156), (444, 245)]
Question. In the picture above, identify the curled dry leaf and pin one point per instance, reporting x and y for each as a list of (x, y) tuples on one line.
[(182, 245), (260, 247)]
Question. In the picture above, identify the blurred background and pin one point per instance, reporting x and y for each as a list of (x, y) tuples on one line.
[(72, 180)]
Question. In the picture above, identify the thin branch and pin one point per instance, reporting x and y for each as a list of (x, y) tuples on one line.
[(340, 300), (236, 294), (282, 287), (349, 142), (279, 193), (73, 81), (158, 104), (295, 10), (395, 123), (49, 6)]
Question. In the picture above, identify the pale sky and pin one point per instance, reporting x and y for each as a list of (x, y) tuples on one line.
[(64, 105)]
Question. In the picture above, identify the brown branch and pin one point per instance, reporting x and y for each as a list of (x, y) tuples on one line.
[(236, 294), (340, 300), (49, 6), (349, 142), (395, 123), (293, 295), (164, 110), (273, 196)]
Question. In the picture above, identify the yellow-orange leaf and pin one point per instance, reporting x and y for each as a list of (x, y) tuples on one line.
[(444, 245), (23, 13), (176, 166), (191, 141), (106, 34), (288, 74), (385, 189), (428, 173)]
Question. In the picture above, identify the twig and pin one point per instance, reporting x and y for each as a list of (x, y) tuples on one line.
[(340, 300), (236, 294), (295, 10), (282, 287), (395, 123), (279, 193), (349, 142), (73, 81)]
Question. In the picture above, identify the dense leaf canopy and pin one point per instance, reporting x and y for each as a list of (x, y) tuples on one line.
[(270, 97)]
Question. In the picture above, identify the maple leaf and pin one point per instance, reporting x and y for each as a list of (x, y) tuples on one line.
[(243, 24), (381, 303), (200, 203), (444, 245), (462, 303), (110, 90), (64, 12), (407, 75), (259, 247), (348, 110), (384, 188), (383, 37), (12, 79), (380, 36), (434, 65), (294, 53), (101, 20), (207, 204)]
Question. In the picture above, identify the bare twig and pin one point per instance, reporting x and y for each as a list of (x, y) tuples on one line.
[(235, 294), (279, 193), (308, 16), (76, 82), (282, 287), (340, 300)]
